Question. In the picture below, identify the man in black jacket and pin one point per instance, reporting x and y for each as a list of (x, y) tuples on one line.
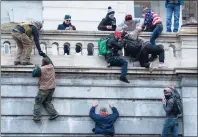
[(109, 22), (142, 49), (113, 58), (104, 121), (22, 34), (66, 24), (171, 122)]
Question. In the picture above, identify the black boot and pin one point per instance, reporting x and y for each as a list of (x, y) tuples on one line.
[(17, 62), (53, 117), (26, 63), (36, 119), (124, 79)]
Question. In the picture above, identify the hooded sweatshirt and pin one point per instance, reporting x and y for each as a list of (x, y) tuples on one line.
[(132, 26)]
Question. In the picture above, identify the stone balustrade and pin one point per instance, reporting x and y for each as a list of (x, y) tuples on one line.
[(180, 49), (82, 80)]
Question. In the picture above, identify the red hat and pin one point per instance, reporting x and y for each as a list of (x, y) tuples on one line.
[(128, 17), (118, 34)]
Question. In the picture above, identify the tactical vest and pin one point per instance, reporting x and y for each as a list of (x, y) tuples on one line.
[(26, 26)]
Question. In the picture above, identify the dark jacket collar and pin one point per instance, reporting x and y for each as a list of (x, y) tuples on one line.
[(66, 25)]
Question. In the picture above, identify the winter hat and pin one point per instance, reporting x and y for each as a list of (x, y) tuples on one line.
[(110, 11), (128, 17), (167, 90), (67, 17)]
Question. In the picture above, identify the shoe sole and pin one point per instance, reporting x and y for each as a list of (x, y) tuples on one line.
[(36, 120), (151, 68), (54, 117)]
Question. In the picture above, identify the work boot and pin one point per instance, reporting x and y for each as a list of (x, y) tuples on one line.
[(17, 62), (152, 58), (26, 63), (53, 117), (36, 119), (124, 79)]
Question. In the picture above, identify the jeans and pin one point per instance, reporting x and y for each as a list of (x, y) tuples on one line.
[(169, 11), (156, 32), (117, 61), (150, 49), (170, 125)]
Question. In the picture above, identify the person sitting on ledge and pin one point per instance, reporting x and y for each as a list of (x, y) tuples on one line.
[(66, 24), (47, 84), (109, 22), (104, 121), (113, 58), (140, 49)]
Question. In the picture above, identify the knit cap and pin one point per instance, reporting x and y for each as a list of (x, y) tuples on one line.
[(110, 11)]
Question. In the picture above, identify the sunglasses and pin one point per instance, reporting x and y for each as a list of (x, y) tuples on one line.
[(68, 20)]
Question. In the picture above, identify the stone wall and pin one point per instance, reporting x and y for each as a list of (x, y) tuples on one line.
[(82, 80), (139, 102)]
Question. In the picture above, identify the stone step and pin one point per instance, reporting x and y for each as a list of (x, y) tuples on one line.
[(80, 125), (81, 107), (77, 92)]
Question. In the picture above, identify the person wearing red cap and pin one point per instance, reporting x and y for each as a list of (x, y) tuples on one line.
[(130, 23), (113, 58)]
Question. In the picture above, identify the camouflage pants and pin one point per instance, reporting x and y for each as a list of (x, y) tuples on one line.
[(44, 97), (24, 46)]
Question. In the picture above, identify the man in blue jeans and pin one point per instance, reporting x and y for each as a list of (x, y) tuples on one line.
[(171, 122), (173, 6), (153, 23)]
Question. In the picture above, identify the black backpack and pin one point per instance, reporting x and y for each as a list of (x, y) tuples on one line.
[(177, 108)]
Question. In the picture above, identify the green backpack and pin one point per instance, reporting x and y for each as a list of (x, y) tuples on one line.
[(102, 47)]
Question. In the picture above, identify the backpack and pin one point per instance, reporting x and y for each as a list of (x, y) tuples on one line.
[(102, 46), (132, 47), (177, 108)]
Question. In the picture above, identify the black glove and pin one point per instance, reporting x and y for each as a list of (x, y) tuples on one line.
[(41, 53)]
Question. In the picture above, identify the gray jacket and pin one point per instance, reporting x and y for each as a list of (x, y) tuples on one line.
[(131, 27), (168, 108)]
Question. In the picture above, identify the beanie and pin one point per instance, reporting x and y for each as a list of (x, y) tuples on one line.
[(68, 17), (167, 90), (110, 11)]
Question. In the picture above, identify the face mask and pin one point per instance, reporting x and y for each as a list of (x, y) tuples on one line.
[(111, 16), (167, 96)]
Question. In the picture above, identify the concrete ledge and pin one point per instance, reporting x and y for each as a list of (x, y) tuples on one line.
[(92, 82)]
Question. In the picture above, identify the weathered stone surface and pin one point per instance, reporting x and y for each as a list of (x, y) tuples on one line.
[(77, 107), (77, 125), (190, 125), (86, 92)]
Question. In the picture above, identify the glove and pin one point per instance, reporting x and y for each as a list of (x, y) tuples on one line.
[(41, 53)]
